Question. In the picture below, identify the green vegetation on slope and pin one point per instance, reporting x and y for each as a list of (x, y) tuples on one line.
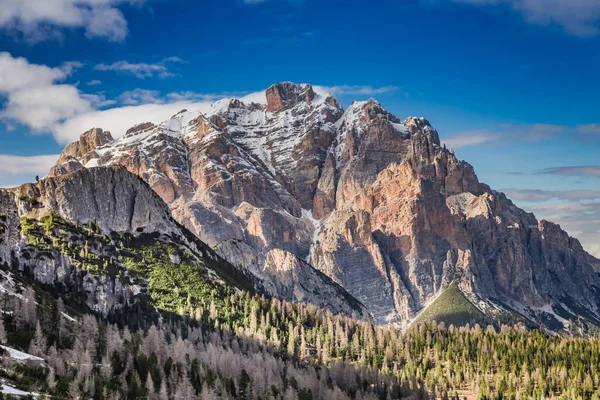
[(178, 280), (269, 349), (452, 308)]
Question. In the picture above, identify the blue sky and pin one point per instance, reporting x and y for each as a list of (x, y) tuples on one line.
[(513, 85)]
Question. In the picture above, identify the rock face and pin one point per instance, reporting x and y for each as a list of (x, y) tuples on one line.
[(120, 203), (375, 203), (286, 95), (111, 197), (287, 277)]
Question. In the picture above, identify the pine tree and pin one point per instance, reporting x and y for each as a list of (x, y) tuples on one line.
[(74, 392), (38, 344), (2, 330)]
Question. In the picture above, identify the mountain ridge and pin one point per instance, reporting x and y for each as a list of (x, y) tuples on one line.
[(102, 236), (374, 202)]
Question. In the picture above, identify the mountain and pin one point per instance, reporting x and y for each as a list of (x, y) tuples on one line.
[(103, 238), (375, 203)]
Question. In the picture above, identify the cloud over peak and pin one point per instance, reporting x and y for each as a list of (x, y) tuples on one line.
[(357, 90)]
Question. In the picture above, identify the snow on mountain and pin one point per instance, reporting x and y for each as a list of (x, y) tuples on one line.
[(374, 202)]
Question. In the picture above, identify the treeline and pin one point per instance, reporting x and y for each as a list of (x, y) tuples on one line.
[(268, 349)]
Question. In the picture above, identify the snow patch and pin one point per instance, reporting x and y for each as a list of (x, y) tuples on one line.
[(457, 204), (317, 229), (68, 317), (7, 389), (19, 355)]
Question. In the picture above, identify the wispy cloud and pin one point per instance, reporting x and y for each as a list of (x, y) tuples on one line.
[(141, 70), (534, 195), (507, 134), (591, 129), (18, 169), (94, 82), (139, 96), (576, 17), (583, 170), (471, 138), (98, 100), (43, 20), (358, 90)]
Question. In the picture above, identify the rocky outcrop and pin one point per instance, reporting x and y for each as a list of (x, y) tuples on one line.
[(88, 141), (286, 95), (377, 204), (112, 197)]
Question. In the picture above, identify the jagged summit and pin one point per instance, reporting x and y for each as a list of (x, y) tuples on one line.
[(283, 96), (373, 201)]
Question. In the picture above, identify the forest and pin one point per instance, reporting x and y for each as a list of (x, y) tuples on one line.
[(253, 347)]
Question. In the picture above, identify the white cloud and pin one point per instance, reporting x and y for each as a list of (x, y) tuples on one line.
[(15, 170), (576, 17), (39, 20), (139, 96), (356, 90), (507, 133), (34, 98), (579, 170), (536, 195), (98, 100), (94, 82), (591, 129), (472, 138), (141, 70)]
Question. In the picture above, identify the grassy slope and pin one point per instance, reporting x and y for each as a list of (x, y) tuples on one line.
[(452, 308)]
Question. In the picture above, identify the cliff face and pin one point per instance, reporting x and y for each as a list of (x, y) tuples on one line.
[(88, 233), (375, 203), (112, 197), (287, 277)]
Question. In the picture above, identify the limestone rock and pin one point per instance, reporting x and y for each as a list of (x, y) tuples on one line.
[(373, 202), (283, 96), (290, 278)]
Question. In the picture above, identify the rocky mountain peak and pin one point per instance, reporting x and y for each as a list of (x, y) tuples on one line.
[(112, 197), (373, 202), (285, 95), (139, 128), (87, 142)]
